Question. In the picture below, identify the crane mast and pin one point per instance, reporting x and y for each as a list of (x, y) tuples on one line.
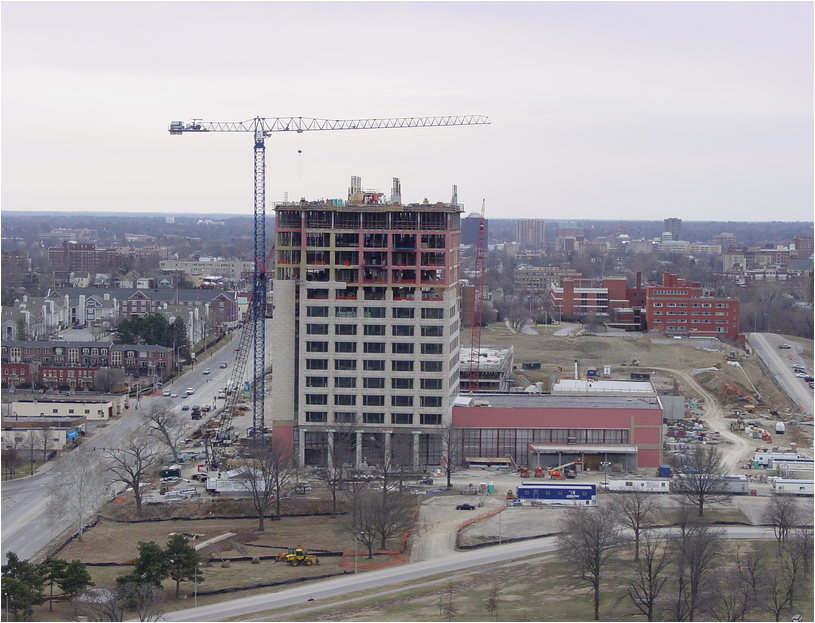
[(478, 305), (261, 128)]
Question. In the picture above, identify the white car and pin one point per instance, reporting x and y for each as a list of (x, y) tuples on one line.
[(206, 371), (173, 395), (165, 393), (190, 391)]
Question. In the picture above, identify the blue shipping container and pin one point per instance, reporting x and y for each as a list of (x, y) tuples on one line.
[(664, 471)]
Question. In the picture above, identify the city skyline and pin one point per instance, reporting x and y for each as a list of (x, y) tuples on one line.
[(636, 111)]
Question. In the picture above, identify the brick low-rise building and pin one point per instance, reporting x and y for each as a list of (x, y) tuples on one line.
[(680, 307)]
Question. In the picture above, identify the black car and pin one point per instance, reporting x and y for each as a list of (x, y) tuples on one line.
[(465, 507)]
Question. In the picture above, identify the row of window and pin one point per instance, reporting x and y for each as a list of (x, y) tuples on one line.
[(351, 417), (373, 365), (399, 330), (322, 311), (398, 348), (705, 305), (350, 400), (378, 382)]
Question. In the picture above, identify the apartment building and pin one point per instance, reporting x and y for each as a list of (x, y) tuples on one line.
[(530, 233), (537, 279), (366, 327), (680, 307)]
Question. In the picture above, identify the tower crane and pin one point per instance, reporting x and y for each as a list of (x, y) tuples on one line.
[(261, 128)]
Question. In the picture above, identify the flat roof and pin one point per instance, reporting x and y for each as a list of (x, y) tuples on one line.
[(519, 400), (592, 386)]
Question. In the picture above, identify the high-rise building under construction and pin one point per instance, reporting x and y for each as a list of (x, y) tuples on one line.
[(365, 330)]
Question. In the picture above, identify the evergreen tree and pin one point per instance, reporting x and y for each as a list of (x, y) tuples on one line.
[(52, 570), (75, 578), (150, 567), (23, 585), (182, 561)]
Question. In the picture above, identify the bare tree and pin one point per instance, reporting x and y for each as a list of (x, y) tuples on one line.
[(12, 460), (634, 511), (79, 489), (132, 461), (782, 513), (166, 426), (266, 472), (588, 539), (44, 441), (108, 379), (31, 446), (492, 602), (365, 519), (340, 459), (736, 591), (649, 573), (452, 438), (703, 482), (112, 604), (697, 548), (393, 516)]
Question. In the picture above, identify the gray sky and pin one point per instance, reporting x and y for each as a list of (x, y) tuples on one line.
[(642, 110)]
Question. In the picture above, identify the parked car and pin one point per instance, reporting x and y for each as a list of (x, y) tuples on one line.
[(465, 507), (785, 346)]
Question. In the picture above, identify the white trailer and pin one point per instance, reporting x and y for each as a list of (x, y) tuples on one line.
[(786, 486), (736, 484), (653, 485), (764, 459)]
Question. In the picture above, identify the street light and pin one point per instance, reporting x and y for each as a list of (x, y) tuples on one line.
[(8, 609), (605, 465)]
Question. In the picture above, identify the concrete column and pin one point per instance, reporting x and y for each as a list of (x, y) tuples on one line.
[(358, 458), (330, 459), (388, 436), (301, 451), (416, 450)]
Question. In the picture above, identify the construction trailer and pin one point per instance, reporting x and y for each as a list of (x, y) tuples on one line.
[(765, 459), (654, 485), (736, 484), (786, 486), (558, 493)]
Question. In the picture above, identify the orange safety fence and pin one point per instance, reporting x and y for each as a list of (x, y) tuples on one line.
[(398, 556)]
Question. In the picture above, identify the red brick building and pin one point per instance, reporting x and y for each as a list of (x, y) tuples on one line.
[(551, 430), (680, 307), (574, 297)]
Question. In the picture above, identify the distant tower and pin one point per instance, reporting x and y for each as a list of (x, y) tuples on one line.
[(469, 229), (804, 247), (674, 225), (530, 233)]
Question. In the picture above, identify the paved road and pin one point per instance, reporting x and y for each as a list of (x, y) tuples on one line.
[(26, 528), (780, 361), (341, 586)]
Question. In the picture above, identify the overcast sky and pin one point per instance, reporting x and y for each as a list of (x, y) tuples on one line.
[(613, 110)]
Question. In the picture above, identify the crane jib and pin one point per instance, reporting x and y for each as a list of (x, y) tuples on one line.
[(306, 124)]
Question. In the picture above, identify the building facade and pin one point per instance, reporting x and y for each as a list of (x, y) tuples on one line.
[(673, 226), (530, 233), (680, 307), (366, 327)]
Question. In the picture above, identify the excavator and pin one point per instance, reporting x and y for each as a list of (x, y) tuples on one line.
[(728, 390)]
